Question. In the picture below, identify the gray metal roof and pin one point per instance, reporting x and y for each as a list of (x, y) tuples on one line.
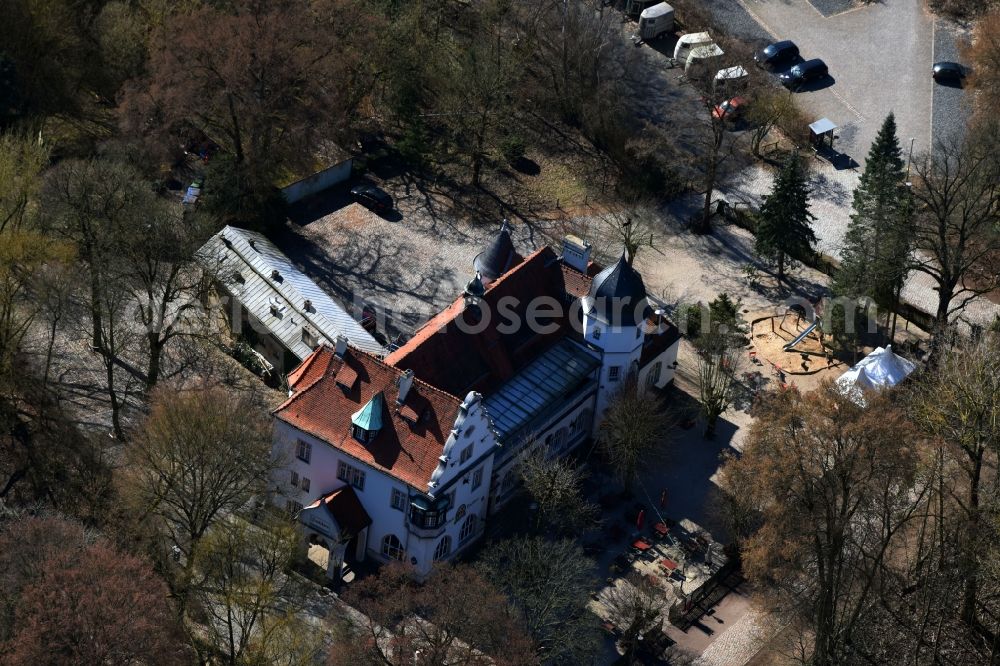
[(822, 126), (529, 398), (229, 253)]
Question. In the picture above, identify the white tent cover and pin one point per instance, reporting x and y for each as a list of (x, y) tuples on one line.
[(880, 369)]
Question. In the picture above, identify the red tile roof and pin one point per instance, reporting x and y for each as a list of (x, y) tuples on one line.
[(404, 449), (346, 509), (444, 355)]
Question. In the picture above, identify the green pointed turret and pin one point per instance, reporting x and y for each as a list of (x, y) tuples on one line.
[(369, 417)]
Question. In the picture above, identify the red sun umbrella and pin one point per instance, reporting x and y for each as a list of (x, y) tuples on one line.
[(640, 519)]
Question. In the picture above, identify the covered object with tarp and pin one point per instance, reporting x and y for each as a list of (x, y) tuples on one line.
[(880, 369)]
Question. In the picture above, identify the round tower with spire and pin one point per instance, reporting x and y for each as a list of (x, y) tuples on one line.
[(498, 258), (614, 312)]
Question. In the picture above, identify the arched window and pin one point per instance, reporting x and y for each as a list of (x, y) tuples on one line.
[(468, 528), (459, 513), (559, 440), (508, 481), (443, 548), (654, 375), (392, 548)]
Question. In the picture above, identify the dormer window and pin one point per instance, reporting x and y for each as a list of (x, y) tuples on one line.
[(362, 435), (238, 277), (366, 422), (309, 338)]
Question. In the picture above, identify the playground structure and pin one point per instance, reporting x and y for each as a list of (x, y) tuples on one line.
[(789, 343)]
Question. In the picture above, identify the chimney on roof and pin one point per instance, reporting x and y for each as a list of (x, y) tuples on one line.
[(405, 382), (341, 348), (576, 253), (275, 275), (253, 244), (308, 305)]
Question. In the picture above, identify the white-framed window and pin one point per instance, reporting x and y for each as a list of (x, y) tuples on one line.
[(392, 548), (654, 374), (466, 455), (468, 528), (614, 373), (443, 548), (559, 440), (305, 484), (362, 435), (293, 507), (581, 424), (398, 500), (295, 478), (303, 451), (508, 481), (477, 478), (597, 332), (451, 498), (351, 475)]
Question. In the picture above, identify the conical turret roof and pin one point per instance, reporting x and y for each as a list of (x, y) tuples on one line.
[(499, 257), (619, 288)]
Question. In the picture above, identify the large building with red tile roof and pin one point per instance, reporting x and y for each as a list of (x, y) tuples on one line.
[(428, 438)]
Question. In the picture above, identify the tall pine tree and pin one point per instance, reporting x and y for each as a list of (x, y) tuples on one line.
[(877, 242), (783, 228)]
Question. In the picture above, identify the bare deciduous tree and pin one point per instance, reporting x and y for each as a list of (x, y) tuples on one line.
[(202, 453), (632, 431), (556, 486), (836, 484), (638, 607), (456, 618), (957, 190), (548, 583)]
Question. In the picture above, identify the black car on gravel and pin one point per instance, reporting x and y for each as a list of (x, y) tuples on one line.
[(371, 197), (774, 54), (803, 73)]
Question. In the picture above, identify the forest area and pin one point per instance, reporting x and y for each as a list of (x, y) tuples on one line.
[(135, 449)]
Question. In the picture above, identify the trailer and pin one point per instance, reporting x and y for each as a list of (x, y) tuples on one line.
[(654, 22), (731, 80), (688, 42), (703, 59)]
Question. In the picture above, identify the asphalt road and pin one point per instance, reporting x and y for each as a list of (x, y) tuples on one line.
[(879, 56)]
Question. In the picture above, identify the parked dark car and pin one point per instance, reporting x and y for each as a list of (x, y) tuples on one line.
[(778, 52), (803, 73), (948, 71), (371, 197)]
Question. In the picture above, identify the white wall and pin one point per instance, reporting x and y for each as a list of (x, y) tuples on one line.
[(318, 182), (666, 361), (471, 428)]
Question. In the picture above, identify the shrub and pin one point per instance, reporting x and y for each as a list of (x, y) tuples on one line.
[(512, 148)]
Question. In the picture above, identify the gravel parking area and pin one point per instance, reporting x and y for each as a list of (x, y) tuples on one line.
[(879, 57), (950, 113), (830, 8)]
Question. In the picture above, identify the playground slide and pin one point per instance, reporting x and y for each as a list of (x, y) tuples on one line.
[(802, 336)]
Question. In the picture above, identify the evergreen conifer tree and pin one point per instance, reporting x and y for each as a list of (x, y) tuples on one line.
[(783, 226), (876, 245)]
